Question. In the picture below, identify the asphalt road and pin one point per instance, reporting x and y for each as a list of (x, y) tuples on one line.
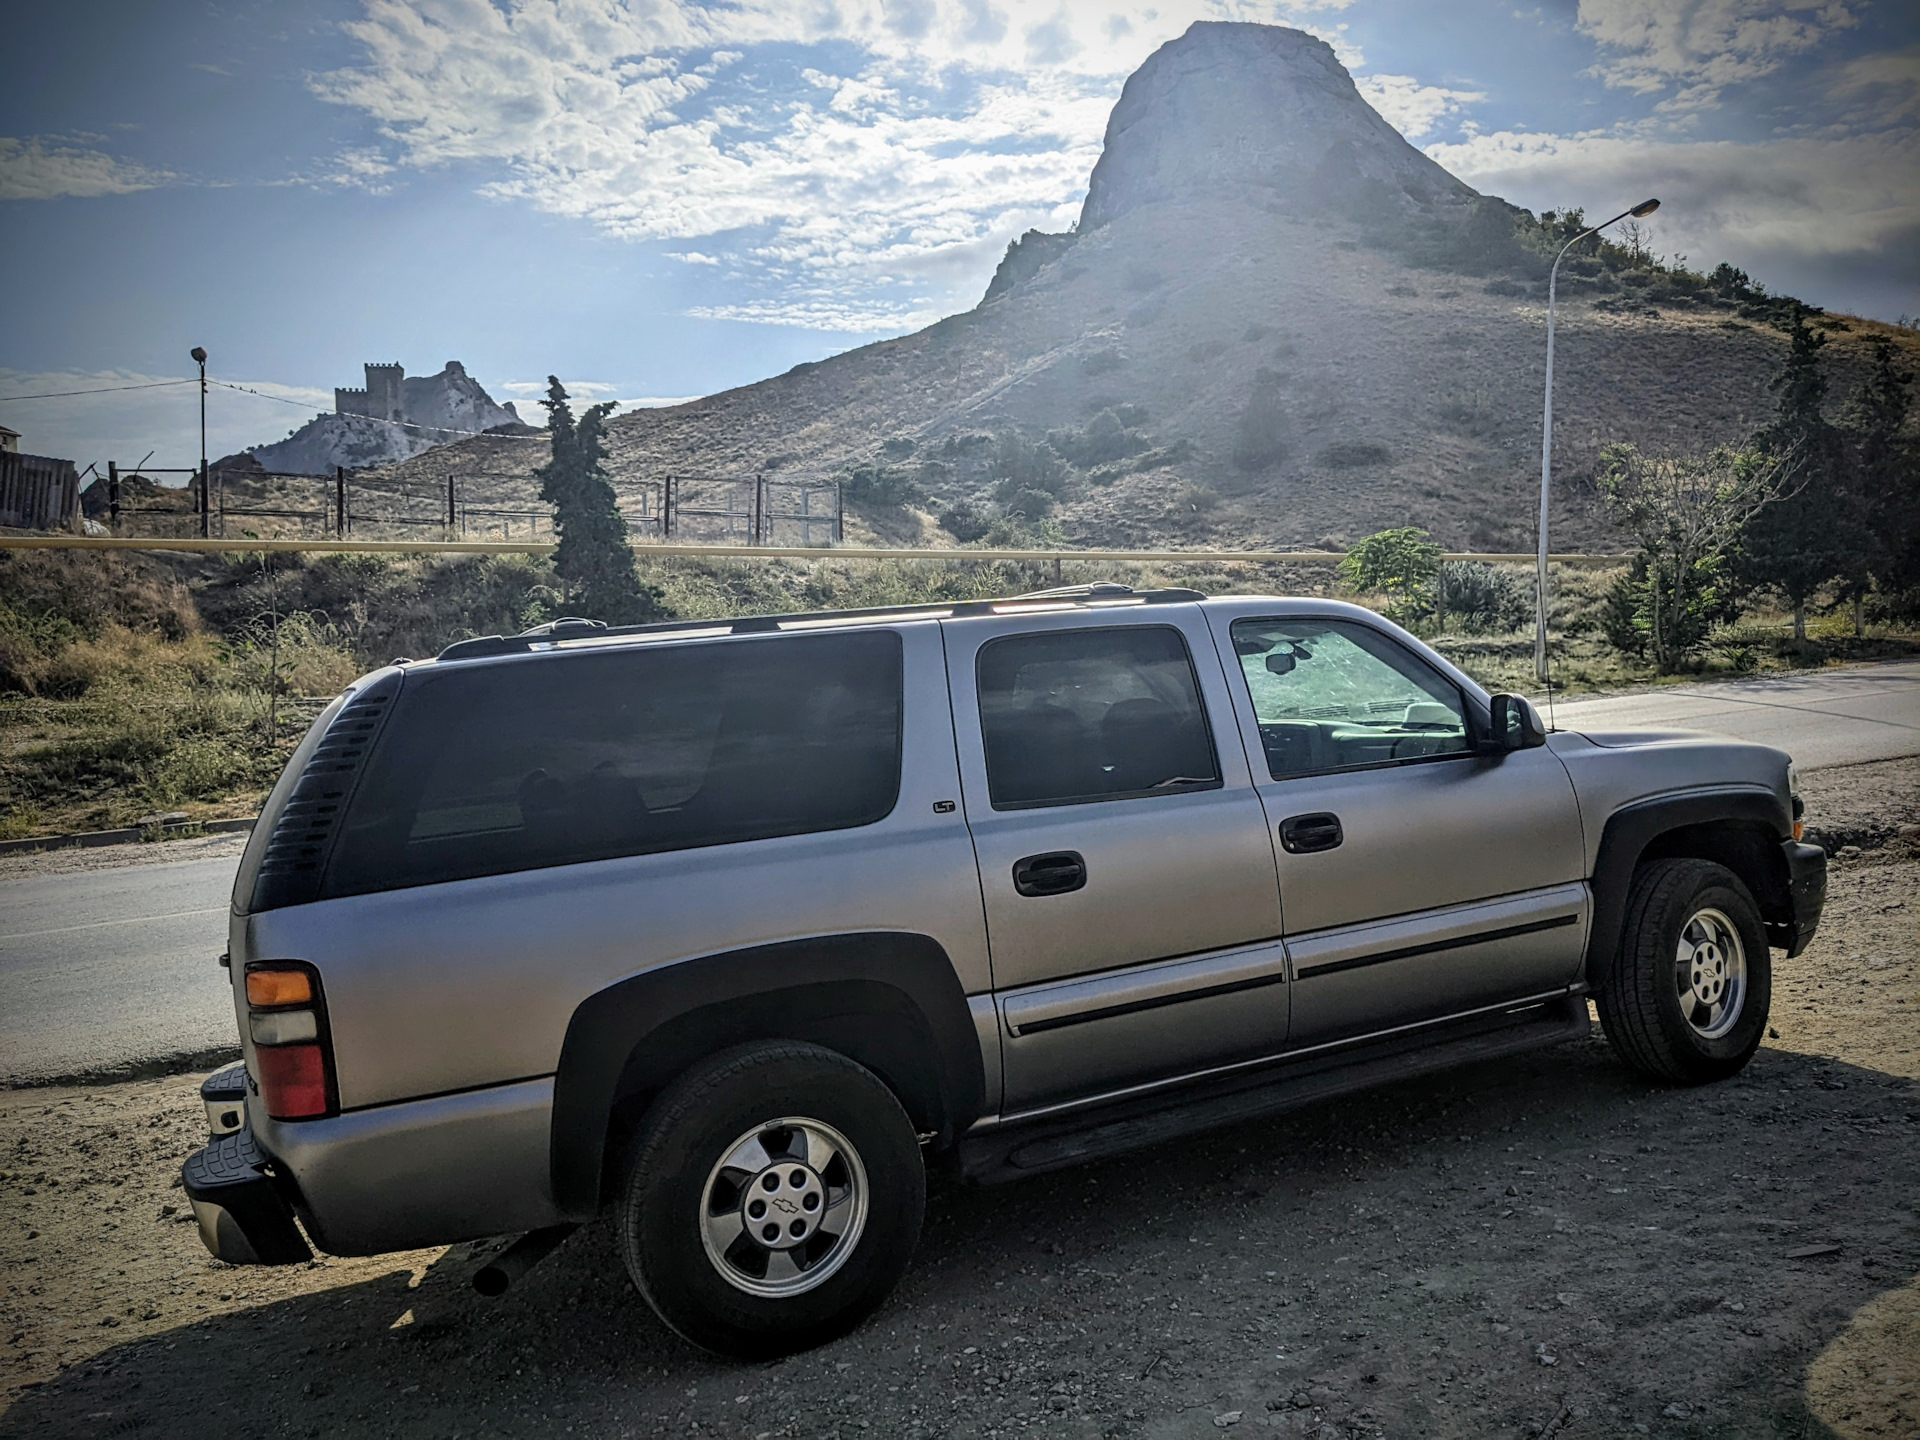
[(106, 969), (114, 969), (1825, 717)]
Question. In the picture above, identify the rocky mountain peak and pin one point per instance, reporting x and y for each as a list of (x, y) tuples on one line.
[(1233, 107)]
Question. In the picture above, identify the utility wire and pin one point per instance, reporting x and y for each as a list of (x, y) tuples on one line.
[(261, 394), (102, 390)]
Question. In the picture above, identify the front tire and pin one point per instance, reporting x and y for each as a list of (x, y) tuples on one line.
[(1690, 990), (774, 1199)]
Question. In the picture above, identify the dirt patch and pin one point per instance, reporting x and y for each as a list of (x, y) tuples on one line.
[(1865, 806), (75, 860), (1542, 1246)]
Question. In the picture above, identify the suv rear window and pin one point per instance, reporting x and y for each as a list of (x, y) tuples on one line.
[(1069, 716), (563, 759)]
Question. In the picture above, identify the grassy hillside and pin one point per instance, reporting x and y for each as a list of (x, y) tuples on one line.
[(1276, 381)]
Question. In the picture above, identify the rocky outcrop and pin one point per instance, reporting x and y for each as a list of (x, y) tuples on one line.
[(355, 441), (454, 400), (1254, 113), (428, 410), (1024, 258)]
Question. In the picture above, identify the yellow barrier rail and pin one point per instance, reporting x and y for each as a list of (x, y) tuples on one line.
[(739, 552)]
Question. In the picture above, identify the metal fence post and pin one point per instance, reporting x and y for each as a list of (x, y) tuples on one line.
[(113, 492), (340, 501), (449, 502), (839, 515)]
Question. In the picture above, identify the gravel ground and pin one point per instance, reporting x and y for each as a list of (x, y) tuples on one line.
[(75, 859), (1530, 1248)]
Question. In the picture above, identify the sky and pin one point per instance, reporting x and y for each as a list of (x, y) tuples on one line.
[(657, 199)]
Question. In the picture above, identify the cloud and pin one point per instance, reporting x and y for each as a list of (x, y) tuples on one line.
[(48, 168), (837, 315), (828, 146), (1696, 48), (1845, 207), (1410, 107), (1880, 89)]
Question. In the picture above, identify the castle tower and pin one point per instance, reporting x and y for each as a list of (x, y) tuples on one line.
[(386, 393)]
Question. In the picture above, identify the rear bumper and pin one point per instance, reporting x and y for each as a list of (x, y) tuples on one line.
[(1806, 895), (244, 1219), (420, 1172)]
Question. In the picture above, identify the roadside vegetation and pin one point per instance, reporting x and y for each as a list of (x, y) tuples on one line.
[(137, 685)]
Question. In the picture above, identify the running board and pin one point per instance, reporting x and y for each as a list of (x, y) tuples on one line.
[(1014, 1151)]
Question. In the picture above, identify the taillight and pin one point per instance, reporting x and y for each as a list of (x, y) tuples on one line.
[(286, 1020)]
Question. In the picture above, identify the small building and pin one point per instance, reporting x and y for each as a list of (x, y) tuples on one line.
[(9, 440), (38, 492)]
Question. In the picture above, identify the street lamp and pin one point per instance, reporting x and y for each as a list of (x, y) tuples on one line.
[(1640, 211), (199, 355)]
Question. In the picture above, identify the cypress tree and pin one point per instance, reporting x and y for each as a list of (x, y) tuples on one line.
[(594, 557), (1810, 536), (1886, 478)]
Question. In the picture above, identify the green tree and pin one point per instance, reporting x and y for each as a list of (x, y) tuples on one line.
[(1400, 564), (1688, 513), (1810, 536), (1885, 478), (594, 557)]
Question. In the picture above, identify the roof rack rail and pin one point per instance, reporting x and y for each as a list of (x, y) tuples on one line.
[(574, 628)]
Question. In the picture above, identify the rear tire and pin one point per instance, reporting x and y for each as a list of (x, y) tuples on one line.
[(773, 1201), (1688, 998)]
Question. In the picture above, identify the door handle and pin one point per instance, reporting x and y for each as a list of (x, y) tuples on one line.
[(1306, 834), (1058, 872)]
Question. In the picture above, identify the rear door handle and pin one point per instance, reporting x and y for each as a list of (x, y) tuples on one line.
[(1058, 872), (1306, 834)]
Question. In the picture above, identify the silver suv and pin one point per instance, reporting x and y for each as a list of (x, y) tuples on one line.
[(733, 928)]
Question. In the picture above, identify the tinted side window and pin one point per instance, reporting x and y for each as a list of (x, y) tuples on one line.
[(1073, 715), (580, 757), (1330, 695)]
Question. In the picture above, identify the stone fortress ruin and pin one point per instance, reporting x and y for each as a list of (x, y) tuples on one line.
[(450, 400)]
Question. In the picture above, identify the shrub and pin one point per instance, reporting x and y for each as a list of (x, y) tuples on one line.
[(880, 485), (1480, 596), (1023, 464), (1352, 454), (1468, 412), (1265, 428), (1103, 361), (1105, 439), (1029, 504), (128, 658), (965, 523)]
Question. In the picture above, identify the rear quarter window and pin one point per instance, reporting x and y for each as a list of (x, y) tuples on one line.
[(565, 758)]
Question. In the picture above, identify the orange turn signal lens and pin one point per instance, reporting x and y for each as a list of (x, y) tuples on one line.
[(1799, 829), (279, 987)]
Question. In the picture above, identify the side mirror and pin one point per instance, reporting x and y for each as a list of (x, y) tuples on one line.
[(1516, 726), (1280, 662)]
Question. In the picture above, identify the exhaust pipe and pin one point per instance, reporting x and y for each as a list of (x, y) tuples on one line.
[(494, 1278)]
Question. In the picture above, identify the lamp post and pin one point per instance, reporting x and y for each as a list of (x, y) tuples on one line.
[(199, 355), (1643, 209)]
